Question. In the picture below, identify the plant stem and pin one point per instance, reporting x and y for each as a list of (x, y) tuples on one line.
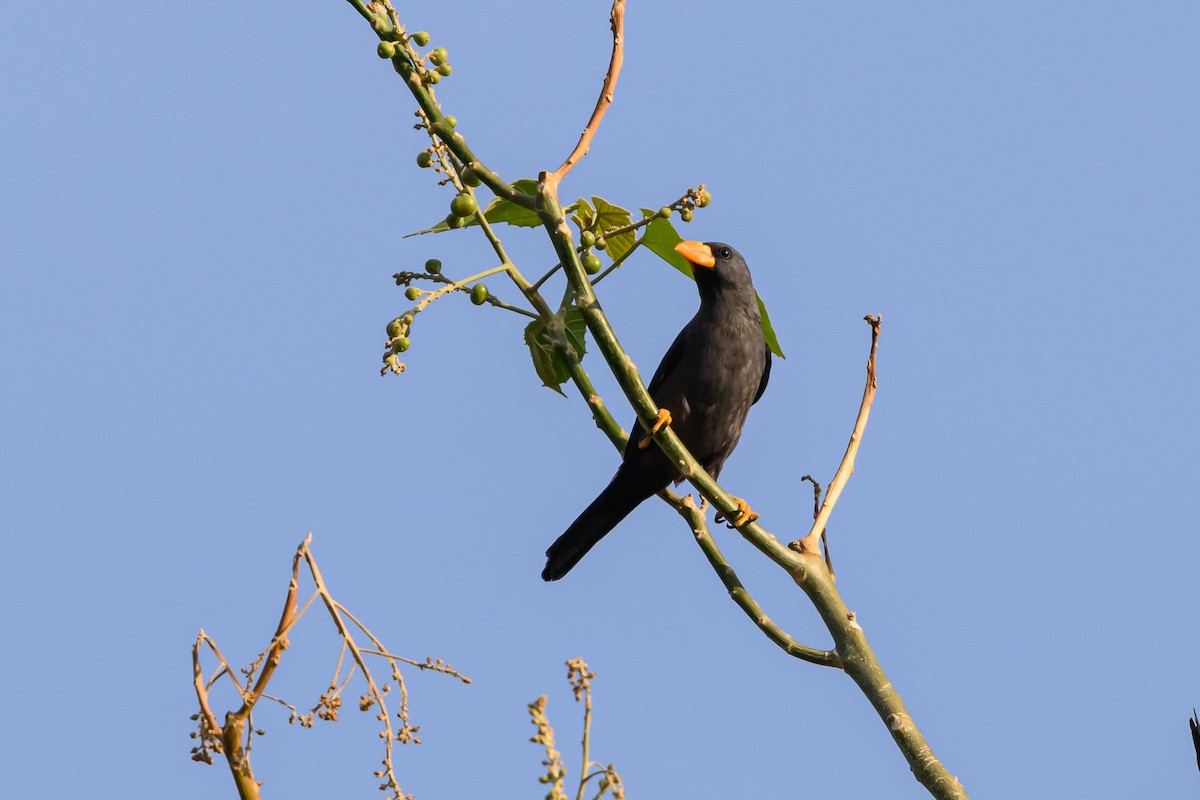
[(807, 569)]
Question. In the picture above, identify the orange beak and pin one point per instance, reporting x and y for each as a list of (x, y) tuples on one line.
[(696, 253)]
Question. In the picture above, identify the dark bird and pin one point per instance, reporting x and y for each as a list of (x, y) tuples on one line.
[(716, 368)]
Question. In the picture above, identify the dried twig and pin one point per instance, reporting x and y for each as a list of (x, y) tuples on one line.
[(816, 513), (809, 543), (233, 738)]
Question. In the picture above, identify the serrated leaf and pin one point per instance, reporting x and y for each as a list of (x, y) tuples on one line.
[(542, 353), (584, 214), (500, 210), (609, 216), (576, 331), (549, 365), (508, 212), (525, 185)]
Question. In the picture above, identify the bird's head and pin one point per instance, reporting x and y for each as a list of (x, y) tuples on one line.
[(718, 268)]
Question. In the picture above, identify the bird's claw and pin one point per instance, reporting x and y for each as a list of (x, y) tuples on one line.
[(662, 420), (744, 515)]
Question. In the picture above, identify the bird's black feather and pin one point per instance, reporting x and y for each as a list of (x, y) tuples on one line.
[(716, 368)]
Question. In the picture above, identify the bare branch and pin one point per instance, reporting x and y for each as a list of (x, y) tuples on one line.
[(809, 543), (210, 719), (617, 20), (279, 641), (232, 739)]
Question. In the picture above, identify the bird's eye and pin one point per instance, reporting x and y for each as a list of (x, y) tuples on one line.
[(725, 252)]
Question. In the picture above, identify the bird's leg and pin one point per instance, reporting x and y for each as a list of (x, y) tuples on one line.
[(662, 420), (744, 515)]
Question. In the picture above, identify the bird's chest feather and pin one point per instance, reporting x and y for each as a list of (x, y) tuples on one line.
[(714, 394)]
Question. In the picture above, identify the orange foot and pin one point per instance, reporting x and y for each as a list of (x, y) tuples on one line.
[(744, 514), (661, 421)]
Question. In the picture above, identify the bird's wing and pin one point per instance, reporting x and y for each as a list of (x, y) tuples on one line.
[(665, 374), (672, 357), (762, 384)]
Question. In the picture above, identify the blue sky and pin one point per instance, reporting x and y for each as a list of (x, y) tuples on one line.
[(202, 213)]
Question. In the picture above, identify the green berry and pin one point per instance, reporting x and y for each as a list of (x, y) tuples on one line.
[(407, 319), (386, 49), (412, 293), (686, 215), (433, 266), (470, 178), (433, 78), (600, 243), (479, 294), (587, 238), (400, 344), (591, 263), (463, 205), (424, 159), (665, 212), (395, 328), (420, 38), (438, 56), (451, 120), (455, 222), (704, 199), (445, 69)]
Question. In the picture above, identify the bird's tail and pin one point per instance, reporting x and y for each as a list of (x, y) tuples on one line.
[(622, 495)]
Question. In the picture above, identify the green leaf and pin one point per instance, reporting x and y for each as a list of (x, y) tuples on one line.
[(441, 226), (609, 216), (500, 210), (768, 331), (547, 362), (584, 215), (525, 185), (576, 331), (661, 237)]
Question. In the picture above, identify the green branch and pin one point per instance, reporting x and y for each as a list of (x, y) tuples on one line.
[(807, 569), (696, 518), (851, 651)]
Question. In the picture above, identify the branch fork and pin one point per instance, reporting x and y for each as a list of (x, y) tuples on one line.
[(802, 560)]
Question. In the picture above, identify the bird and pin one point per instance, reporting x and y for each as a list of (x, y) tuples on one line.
[(716, 368)]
